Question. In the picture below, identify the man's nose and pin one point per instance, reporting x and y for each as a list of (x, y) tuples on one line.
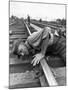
[(22, 54)]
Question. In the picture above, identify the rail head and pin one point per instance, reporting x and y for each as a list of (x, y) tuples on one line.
[(27, 28)]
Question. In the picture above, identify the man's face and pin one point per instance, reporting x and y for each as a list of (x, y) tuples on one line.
[(22, 49)]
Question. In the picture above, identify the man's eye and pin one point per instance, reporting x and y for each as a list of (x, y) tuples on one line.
[(20, 51)]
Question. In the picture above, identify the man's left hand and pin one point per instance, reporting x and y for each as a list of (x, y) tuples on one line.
[(37, 58)]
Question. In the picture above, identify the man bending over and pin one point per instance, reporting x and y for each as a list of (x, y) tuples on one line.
[(41, 44)]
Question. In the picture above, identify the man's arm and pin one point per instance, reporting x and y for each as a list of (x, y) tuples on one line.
[(41, 55), (44, 45)]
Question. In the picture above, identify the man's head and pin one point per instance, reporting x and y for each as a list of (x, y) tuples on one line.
[(19, 48), (22, 49)]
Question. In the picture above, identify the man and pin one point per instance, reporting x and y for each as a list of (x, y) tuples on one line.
[(41, 44), (28, 19)]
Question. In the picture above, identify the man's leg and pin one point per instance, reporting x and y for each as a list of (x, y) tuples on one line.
[(55, 61), (60, 48)]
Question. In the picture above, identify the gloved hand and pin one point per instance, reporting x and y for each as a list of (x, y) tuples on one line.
[(37, 58)]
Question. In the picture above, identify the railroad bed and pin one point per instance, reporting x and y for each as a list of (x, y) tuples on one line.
[(21, 71)]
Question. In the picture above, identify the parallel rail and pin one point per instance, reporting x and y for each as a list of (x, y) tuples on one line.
[(45, 24)]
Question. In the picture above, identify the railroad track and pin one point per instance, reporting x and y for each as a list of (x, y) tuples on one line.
[(18, 72), (53, 24), (42, 25)]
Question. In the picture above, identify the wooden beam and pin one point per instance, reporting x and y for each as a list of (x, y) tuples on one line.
[(23, 80)]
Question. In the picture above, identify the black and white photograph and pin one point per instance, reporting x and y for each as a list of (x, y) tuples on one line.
[(37, 44)]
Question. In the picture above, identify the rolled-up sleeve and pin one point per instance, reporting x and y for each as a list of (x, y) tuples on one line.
[(35, 38)]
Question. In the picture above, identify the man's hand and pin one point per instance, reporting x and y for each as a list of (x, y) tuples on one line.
[(37, 58)]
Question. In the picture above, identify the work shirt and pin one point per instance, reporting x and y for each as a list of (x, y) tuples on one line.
[(56, 46), (35, 40)]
